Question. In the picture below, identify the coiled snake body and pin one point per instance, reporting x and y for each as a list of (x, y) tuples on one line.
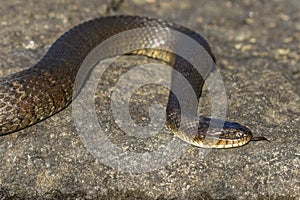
[(32, 95)]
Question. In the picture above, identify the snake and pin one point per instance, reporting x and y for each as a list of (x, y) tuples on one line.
[(38, 92)]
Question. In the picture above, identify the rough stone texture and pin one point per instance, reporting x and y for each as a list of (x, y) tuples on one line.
[(257, 47)]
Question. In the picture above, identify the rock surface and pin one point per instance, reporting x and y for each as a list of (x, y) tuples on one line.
[(257, 47)]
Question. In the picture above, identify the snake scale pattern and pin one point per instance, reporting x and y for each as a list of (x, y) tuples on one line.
[(32, 95)]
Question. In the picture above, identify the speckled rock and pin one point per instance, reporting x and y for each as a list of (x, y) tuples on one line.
[(257, 47)]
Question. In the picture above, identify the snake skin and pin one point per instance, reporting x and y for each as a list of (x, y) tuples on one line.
[(34, 94)]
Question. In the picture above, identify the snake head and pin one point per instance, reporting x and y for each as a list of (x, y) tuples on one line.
[(224, 134), (238, 131), (214, 133), (234, 131), (211, 133), (229, 135)]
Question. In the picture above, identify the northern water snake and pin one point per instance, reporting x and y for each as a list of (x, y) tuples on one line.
[(34, 94)]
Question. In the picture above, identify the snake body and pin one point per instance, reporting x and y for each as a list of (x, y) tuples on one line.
[(29, 96)]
